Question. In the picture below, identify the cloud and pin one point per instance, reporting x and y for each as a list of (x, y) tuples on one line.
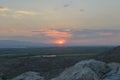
[(23, 12), (91, 36), (66, 5), (82, 10), (15, 32), (2, 9), (105, 33), (55, 33), (3, 15), (17, 13)]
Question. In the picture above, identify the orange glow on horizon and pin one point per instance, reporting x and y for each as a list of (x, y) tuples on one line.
[(60, 42)]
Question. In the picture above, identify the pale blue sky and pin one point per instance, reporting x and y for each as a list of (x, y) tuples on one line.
[(21, 17)]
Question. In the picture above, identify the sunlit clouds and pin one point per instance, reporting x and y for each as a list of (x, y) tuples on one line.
[(22, 12), (16, 13), (56, 34), (2, 9)]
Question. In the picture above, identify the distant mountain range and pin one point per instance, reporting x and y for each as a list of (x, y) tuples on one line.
[(21, 44)]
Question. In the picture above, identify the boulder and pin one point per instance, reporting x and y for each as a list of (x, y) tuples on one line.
[(29, 76)]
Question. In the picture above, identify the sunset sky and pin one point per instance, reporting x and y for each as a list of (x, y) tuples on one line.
[(76, 22)]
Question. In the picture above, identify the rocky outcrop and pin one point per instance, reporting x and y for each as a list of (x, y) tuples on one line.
[(114, 74), (91, 70), (29, 76)]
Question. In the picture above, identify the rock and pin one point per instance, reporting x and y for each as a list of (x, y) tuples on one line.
[(115, 68), (29, 76), (85, 70), (100, 68), (114, 74), (85, 74)]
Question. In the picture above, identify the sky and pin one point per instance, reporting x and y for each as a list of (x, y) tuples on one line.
[(75, 22)]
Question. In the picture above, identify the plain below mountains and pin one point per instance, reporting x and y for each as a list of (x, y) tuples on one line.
[(21, 44)]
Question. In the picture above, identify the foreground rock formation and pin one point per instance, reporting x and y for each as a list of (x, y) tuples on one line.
[(91, 70), (29, 76), (84, 70)]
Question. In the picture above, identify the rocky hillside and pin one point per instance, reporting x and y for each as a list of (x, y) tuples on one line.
[(83, 70), (112, 55)]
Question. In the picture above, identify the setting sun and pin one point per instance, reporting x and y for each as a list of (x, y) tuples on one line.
[(60, 42)]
